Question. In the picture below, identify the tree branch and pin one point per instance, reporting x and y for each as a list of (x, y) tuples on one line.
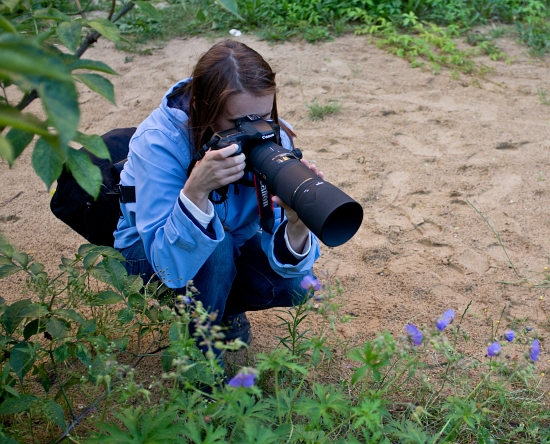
[(80, 10), (112, 11)]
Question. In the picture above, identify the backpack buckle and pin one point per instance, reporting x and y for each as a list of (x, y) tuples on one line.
[(127, 193)]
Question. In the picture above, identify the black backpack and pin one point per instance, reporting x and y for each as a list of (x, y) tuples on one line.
[(96, 220)]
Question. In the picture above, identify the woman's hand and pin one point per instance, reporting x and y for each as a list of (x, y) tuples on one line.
[(296, 230), (216, 169)]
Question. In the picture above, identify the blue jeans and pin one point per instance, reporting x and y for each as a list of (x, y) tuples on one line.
[(233, 280)]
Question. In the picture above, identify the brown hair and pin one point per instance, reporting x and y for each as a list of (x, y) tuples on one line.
[(226, 69)]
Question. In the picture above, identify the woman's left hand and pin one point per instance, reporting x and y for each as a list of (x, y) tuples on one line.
[(296, 230)]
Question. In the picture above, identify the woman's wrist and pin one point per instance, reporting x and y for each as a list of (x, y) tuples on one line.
[(199, 198), (297, 234)]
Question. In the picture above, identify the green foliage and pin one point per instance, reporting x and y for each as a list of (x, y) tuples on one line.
[(87, 330), (35, 67), (422, 31)]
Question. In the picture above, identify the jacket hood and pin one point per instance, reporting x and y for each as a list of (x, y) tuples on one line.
[(176, 107)]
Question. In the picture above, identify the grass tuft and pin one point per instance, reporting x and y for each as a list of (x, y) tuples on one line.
[(318, 111)]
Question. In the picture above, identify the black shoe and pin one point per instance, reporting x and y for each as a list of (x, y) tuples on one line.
[(237, 327)]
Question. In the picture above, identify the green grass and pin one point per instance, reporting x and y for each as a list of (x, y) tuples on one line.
[(543, 96), (318, 111)]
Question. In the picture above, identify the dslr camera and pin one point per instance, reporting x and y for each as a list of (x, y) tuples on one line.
[(327, 211)]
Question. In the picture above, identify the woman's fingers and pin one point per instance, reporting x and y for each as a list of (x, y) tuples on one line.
[(313, 168)]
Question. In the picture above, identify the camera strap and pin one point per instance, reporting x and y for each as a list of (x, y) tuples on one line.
[(265, 205)]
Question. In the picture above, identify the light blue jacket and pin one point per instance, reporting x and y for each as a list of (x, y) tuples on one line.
[(160, 153)]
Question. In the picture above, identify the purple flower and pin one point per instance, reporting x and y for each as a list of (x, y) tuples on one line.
[(493, 349), (450, 313), (415, 335), (534, 350), (310, 283), (509, 335), (245, 378), (445, 319)]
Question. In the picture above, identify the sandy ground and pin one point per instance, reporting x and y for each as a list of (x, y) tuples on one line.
[(412, 147)]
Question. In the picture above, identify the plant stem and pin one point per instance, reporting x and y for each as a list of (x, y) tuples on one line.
[(497, 235), (61, 385), (277, 397)]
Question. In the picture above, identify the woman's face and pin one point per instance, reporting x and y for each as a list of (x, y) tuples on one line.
[(241, 105)]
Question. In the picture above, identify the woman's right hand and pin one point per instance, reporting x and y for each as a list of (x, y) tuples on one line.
[(216, 169)]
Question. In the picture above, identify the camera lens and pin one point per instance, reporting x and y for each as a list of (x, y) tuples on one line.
[(327, 211)]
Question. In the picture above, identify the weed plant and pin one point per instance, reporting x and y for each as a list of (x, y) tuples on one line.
[(72, 369), (318, 111)]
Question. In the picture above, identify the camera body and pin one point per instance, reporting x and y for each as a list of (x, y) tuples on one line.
[(327, 211), (249, 132)]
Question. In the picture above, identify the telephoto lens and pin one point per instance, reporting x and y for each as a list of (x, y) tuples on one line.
[(327, 211)]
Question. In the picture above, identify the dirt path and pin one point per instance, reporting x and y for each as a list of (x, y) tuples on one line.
[(412, 147)]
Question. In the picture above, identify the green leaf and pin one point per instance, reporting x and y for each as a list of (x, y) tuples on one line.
[(7, 440), (83, 354), (5, 24), (36, 268), (118, 273), (71, 315), (12, 315), (149, 9), (11, 117), (69, 34), (27, 63), (135, 284), (90, 259), (47, 162), (5, 261), (7, 270), (34, 311), (135, 300), (98, 84), (125, 315), (60, 101), (106, 28), (41, 37), (87, 175), (44, 378), (167, 359), (19, 141), (17, 405), (86, 328), (85, 249), (22, 258), (5, 248), (93, 144), (54, 413), (231, 6), (6, 150), (57, 328), (106, 297), (33, 328), (22, 357), (61, 353), (112, 272), (8, 388), (51, 14), (92, 65)]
